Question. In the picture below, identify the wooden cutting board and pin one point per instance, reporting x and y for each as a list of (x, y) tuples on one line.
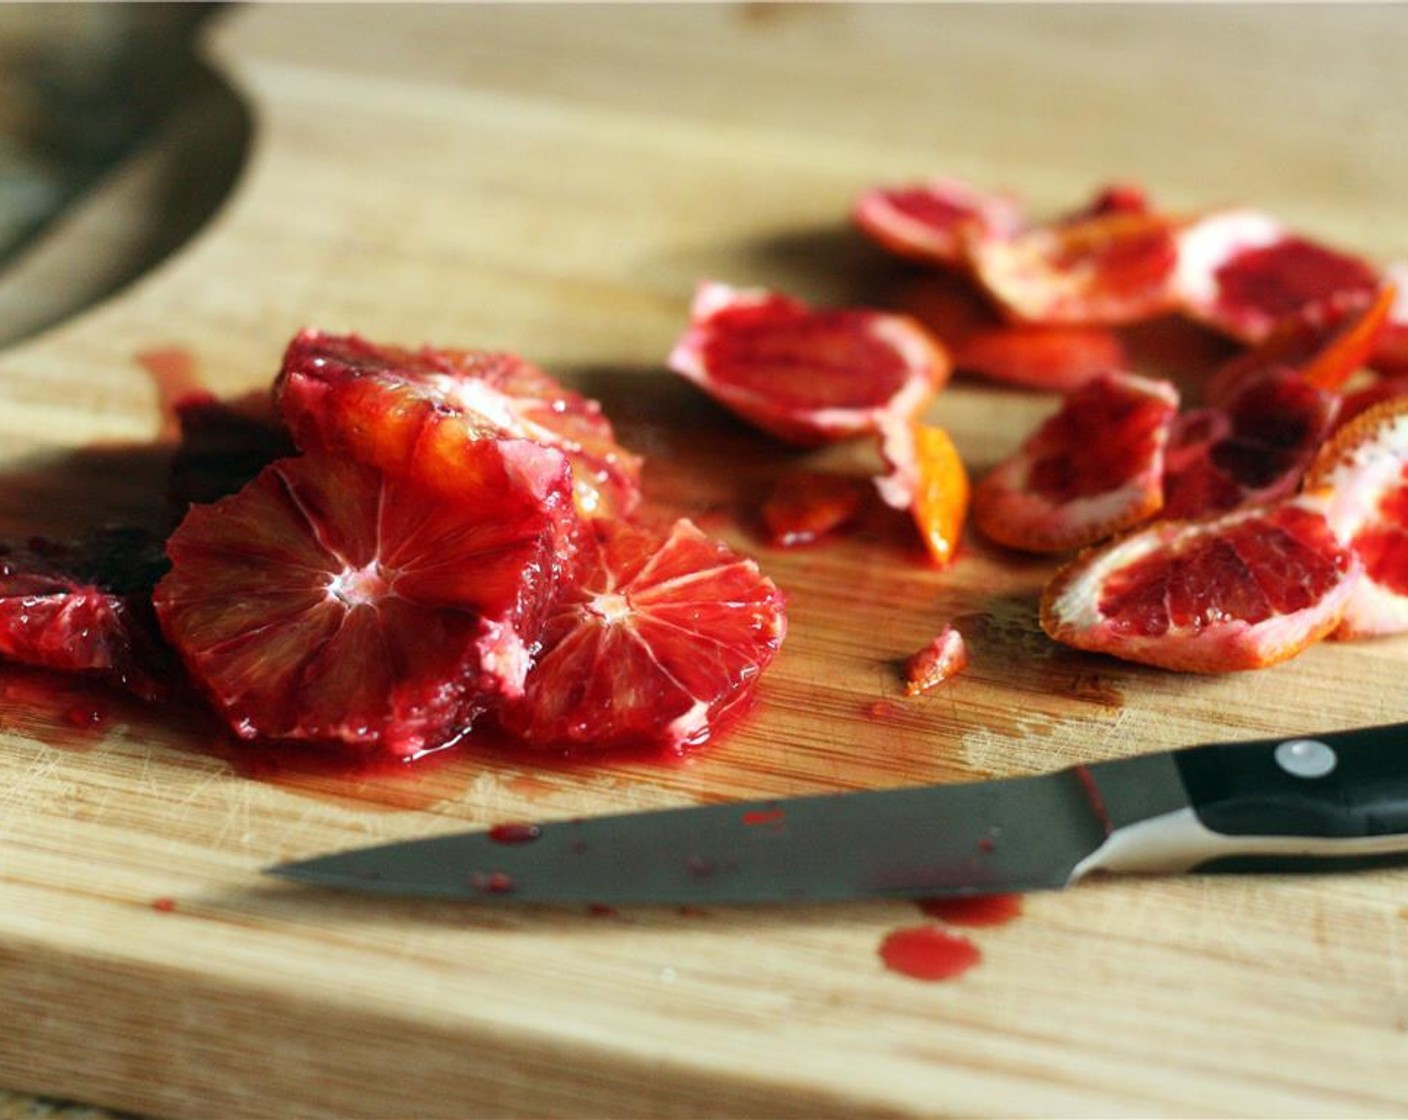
[(554, 181)]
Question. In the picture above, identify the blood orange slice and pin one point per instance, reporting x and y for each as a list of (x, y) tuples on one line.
[(1365, 469), (329, 601), (1093, 468), (661, 639), (1243, 273), (1057, 358), (346, 394), (927, 477), (85, 608), (1324, 343), (934, 221), (806, 376), (1110, 269), (1242, 591), (1255, 448)]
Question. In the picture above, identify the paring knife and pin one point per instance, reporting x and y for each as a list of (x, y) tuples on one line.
[(1330, 801)]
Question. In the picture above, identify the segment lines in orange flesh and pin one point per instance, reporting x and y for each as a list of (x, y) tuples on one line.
[(662, 638), (330, 601), (1110, 269), (1364, 469), (1241, 591), (803, 375), (1092, 469), (377, 402), (934, 221)]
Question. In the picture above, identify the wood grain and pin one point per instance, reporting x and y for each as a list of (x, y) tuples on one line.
[(554, 181)]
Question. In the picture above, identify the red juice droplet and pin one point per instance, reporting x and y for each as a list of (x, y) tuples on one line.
[(492, 882), (987, 844), (514, 833), (165, 905), (86, 716), (976, 910), (755, 817), (1092, 793), (928, 953)]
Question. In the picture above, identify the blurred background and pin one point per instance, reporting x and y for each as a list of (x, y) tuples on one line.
[(85, 88)]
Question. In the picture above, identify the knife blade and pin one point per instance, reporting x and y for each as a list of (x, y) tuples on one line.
[(1328, 801)]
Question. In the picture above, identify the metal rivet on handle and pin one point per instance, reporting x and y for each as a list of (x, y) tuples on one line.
[(1306, 758)]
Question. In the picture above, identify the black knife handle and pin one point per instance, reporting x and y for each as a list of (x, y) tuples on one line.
[(1318, 802), (1341, 784)]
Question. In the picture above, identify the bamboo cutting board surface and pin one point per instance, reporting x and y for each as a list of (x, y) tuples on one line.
[(554, 181)]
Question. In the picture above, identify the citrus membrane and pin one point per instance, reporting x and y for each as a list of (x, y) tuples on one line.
[(1109, 269), (662, 637), (1253, 448), (375, 402), (1242, 272), (328, 600), (806, 376), (1324, 343), (1364, 467), (1241, 591), (935, 221), (1093, 468)]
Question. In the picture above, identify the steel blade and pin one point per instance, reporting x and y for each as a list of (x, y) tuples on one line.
[(985, 837)]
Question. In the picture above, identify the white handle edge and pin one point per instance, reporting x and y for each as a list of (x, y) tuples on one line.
[(1178, 842)]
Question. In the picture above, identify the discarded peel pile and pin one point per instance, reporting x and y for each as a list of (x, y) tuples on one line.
[(1221, 565), (451, 524), (809, 376)]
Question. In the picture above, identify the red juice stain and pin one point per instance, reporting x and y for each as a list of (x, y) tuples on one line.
[(881, 709), (601, 910), (492, 882), (335, 772), (514, 833), (928, 953), (755, 817), (987, 845), (87, 716), (173, 372), (65, 711), (164, 905), (1092, 793), (975, 910)]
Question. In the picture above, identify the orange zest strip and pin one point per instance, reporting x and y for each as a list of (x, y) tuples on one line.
[(1352, 345)]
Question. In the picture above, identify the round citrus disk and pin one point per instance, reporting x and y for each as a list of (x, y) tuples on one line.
[(663, 637), (329, 601)]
